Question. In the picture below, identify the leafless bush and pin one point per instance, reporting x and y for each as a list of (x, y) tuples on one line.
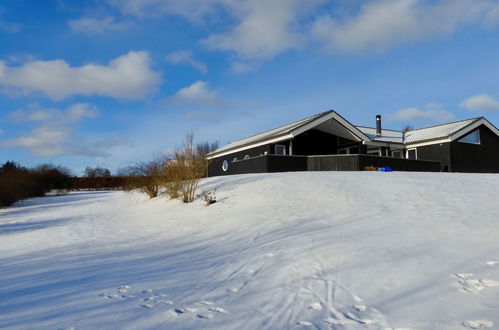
[(190, 168), (146, 177)]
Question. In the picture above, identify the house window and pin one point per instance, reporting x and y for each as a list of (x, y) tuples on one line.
[(225, 165), (343, 151), (412, 153), (246, 157), (397, 154), (354, 150), (473, 137), (280, 149)]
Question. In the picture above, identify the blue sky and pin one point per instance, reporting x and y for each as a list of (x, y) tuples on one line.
[(112, 82)]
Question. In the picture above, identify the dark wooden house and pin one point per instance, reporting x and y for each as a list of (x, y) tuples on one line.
[(327, 141)]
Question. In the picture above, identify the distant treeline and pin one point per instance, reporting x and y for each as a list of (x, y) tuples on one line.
[(178, 175), (17, 182), (99, 183)]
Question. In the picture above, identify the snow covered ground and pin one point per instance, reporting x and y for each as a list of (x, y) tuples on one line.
[(311, 250)]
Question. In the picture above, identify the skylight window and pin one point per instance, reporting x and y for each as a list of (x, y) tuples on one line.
[(473, 137)]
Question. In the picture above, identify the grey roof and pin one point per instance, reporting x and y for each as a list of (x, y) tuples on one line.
[(387, 135), (418, 135), (271, 134), (438, 131)]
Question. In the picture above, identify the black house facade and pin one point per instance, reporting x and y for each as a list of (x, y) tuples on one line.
[(327, 141)]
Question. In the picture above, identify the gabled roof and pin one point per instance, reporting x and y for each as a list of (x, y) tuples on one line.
[(448, 131), (437, 131), (286, 132), (387, 135), (328, 119)]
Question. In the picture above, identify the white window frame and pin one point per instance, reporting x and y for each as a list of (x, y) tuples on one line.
[(283, 146), (225, 165), (347, 149), (415, 153), (477, 131), (376, 151), (343, 149)]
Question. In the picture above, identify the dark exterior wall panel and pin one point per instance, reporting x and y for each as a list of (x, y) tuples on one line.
[(440, 152), (359, 162), (215, 165), (315, 142), (399, 164), (481, 158)]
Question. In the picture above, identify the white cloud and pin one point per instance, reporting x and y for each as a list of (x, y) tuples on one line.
[(92, 25), (482, 102), (54, 134), (259, 29), (56, 141), (198, 93), (382, 24), (185, 57), (10, 27), (73, 114), (265, 29), (430, 114), (193, 10), (126, 77)]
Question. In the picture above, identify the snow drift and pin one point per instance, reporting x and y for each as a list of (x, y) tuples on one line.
[(327, 250)]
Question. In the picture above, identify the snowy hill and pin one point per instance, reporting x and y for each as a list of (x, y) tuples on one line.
[(323, 250)]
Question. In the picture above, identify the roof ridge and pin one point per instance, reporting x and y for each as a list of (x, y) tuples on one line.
[(306, 119), (383, 129), (452, 122)]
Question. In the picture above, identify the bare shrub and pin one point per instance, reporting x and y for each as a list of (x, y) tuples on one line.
[(146, 177), (190, 168), (172, 179)]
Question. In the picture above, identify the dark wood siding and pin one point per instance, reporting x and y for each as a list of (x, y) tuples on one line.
[(482, 158), (215, 165), (333, 163), (315, 142), (359, 162), (439, 152), (260, 164)]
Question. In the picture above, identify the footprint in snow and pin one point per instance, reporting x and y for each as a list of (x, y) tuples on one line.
[(147, 305), (355, 318), (332, 321), (476, 285), (359, 308), (478, 324), (304, 324), (183, 310), (122, 288), (120, 293), (204, 316), (207, 302), (165, 302), (217, 309), (315, 306)]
